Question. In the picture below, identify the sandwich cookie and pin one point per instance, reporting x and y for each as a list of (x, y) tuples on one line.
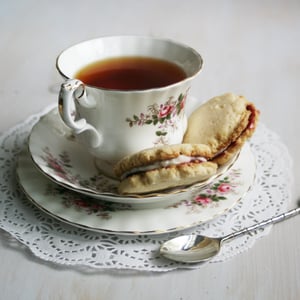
[(164, 167), (224, 124), (216, 132)]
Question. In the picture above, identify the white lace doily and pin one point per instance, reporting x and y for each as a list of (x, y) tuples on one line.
[(54, 241)]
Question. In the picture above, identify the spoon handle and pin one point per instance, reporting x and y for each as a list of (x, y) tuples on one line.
[(262, 224)]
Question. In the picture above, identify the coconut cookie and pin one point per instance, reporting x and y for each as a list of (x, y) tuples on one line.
[(164, 167), (223, 123)]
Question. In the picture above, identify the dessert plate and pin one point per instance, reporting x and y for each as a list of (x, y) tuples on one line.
[(196, 206), (56, 152)]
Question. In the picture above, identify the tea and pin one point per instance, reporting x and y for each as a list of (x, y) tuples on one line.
[(131, 73)]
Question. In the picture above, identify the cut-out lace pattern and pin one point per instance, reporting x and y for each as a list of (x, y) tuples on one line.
[(54, 241)]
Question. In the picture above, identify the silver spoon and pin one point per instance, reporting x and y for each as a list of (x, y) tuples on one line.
[(197, 248)]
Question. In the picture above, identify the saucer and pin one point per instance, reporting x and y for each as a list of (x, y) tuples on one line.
[(56, 152), (196, 206)]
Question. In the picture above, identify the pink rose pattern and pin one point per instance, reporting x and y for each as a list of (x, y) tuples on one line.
[(161, 116), (61, 165), (90, 206), (210, 196), (215, 192)]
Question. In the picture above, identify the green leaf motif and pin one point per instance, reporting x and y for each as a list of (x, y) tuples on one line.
[(161, 133)]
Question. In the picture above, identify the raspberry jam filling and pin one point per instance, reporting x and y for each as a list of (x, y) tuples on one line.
[(252, 116)]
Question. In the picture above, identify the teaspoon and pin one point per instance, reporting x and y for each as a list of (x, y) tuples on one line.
[(198, 248)]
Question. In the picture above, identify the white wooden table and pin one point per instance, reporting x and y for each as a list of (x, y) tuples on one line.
[(249, 47)]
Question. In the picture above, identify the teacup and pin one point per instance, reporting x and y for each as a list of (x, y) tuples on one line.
[(112, 121)]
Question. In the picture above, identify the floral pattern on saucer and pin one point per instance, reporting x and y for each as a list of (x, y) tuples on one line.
[(217, 191), (84, 203), (63, 168), (167, 214), (207, 198)]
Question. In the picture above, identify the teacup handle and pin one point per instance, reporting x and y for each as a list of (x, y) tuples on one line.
[(71, 91)]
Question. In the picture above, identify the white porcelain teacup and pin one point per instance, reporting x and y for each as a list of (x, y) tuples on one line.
[(113, 122)]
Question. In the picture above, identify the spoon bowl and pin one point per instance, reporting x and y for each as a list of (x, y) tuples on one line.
[(191, 248), (198, 248)]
